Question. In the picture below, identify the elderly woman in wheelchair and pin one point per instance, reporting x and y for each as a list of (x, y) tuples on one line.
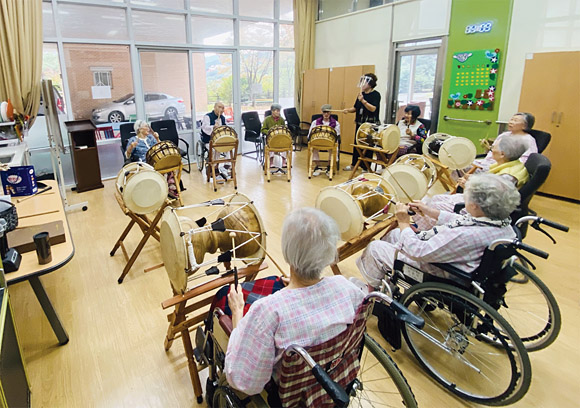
[(454, 276), (259, 357)]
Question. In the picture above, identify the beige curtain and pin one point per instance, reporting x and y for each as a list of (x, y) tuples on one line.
[(21, 54), (305, 12)]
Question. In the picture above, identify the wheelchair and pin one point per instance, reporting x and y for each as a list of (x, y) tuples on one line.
[(351, 369), (201, 154), (478, 326)]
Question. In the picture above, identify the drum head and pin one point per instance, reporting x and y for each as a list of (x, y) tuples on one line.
[(173, 250), (279, 137), (260, 254), (457, 153), (422, 163), (365, 132), (145, 191), (126, 172), (222, 135), (408, 178), (343, 208), (431, 138), (390, 138)]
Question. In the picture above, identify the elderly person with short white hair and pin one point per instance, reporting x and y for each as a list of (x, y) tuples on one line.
[(507, 165), (310, 310), (459, 240), (138, 145)]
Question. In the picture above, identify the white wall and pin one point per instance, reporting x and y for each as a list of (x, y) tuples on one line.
[(366, 37), (537, 26)]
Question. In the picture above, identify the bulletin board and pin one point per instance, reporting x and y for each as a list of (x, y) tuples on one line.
[(473, 79)]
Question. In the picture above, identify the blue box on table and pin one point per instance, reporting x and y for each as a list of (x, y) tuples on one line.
[(19, 181)]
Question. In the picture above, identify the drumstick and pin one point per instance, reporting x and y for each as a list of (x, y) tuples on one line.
[(269, 256), (35, 194), (233, 236)]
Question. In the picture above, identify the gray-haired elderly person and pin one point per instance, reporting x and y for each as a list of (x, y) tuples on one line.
[(138, 145), (269, 122), (457, 239), (310, 310), (506, 154)]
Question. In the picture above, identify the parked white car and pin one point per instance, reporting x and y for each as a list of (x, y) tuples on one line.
[(157, 105)]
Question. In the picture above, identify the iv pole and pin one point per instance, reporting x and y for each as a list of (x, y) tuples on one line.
[(52, 127)]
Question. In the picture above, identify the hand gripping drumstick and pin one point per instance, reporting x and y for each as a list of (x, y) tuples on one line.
[(402, 189), (233, 236)]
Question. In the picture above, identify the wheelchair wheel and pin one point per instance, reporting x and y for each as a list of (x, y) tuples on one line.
[(200, 155), (532, 310), (225, 397), (466, 345), (379, 387)]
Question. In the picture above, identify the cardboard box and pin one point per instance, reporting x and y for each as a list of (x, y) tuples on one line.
[(19, 181), (21, 238)]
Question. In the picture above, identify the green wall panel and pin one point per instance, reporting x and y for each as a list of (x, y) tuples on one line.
[(477, 69)]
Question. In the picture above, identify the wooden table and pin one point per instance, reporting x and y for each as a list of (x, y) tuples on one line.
[(41, 209)]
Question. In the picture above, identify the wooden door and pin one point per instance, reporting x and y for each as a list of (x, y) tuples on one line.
[(551, 91), (314, 92), (336, 98)]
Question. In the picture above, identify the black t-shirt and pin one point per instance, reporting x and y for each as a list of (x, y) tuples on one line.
[(362, 113)]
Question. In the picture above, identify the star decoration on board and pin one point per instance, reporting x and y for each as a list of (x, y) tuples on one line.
[(479, 103), (492, 88), (494, 59), (493, 71), (491, 97), (469, 103)]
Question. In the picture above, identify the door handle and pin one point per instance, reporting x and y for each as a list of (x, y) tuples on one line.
[(559, 119), (553, 117)]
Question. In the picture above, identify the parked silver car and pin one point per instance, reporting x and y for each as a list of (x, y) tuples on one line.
[(157, 105)]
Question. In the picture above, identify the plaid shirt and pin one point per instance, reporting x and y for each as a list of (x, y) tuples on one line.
[(461, 247), (304, 316)]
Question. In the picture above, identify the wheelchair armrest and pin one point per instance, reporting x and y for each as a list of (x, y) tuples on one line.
[(225, 321), (454, 271), (252, 131), (458, 207), (481, 156)]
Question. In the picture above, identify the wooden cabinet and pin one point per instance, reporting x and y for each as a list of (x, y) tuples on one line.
[(338, 87), (85, 156), (551, 92)]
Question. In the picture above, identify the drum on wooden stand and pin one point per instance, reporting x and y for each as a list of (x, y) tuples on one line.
[(187, 234), (279, 137), (423, 164), (385, 137), (323, 137), (223, 135), (163, 156), (143, 189), (408, 181), (357, 202), (454, 152)]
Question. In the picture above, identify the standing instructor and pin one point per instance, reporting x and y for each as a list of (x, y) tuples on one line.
[(367, 108)]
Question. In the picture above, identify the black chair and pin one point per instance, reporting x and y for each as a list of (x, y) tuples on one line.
[(168, 131), (319, 115), (542, 139), (296, 126), (252, 127), (127, 132), (538, 167), (426, 123), (267, 113)]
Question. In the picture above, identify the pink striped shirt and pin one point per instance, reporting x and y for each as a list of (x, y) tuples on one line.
[(304, 316)]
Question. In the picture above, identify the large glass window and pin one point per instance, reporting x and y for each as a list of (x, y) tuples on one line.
[(256, 80), (48, 28), (165, 86), (286, 36), (257, 8), (102, 104), (211, 6), (159, 27), (286, 76), (213, 79), (286, 10), (177, 4), (212, 31), (253, 33), (80, 21)]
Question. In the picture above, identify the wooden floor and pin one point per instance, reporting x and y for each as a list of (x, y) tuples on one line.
[(115, 357)]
